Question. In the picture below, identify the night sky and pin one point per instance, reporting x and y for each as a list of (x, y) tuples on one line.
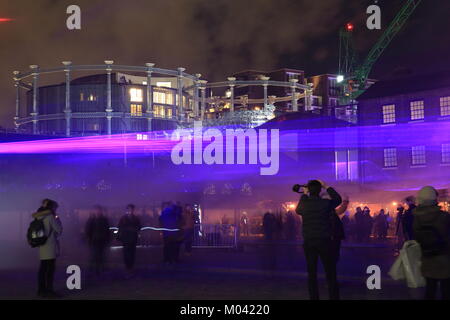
[(213, 37)]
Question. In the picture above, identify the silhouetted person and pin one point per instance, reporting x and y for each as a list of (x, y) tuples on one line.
[(269, 226), (381, 225), (129, 227), (172, 220), (245, 224), (317, 215), (431, 227), (367, 224), (189, 227), (98, 238), (359, 224), (338, 228), (49, 251), (408, 218)]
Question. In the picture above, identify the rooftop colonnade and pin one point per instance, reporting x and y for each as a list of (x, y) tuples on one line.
[(188, 86)]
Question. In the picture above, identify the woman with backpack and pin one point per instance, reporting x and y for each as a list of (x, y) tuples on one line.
[(49, 251), (431, 228)]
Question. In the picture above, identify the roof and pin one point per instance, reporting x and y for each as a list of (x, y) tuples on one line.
[(303, 120), (407, 84)]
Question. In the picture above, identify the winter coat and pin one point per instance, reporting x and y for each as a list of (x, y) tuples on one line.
[(53, 229), (129, 228), (436, 266), (317, 214)]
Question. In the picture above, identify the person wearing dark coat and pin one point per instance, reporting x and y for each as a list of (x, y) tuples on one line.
[(98, 238), (171, 220), (317, 214), (431, 227), (338, 228), (408, 219), (129, 228), (359, 224)]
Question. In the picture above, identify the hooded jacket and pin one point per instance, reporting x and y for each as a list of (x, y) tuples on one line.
[(436, 266)]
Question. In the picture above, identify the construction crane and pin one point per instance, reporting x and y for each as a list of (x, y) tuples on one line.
[(354, 79)]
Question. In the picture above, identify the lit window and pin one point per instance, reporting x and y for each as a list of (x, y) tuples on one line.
[(81, 96), (163, 97), (390, 157), (160, 111), (169, 112), (389, 113), (446, 153), (136, 109), (418, 155), (416, 110), (444, 102), (92, 97), (136, 95), (166, 84)]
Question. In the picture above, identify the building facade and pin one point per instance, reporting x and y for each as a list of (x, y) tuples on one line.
[(405, 132)]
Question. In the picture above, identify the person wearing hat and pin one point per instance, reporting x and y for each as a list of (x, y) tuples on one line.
[(431, 229)]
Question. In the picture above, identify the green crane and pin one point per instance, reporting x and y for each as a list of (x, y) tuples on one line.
[(354, 82)]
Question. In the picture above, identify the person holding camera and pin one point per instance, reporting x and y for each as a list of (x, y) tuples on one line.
[(317, 215)]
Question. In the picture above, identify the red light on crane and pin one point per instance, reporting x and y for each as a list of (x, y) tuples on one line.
[(5, 19), (349, 26)]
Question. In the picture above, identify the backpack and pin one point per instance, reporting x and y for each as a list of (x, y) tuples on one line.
[(431, 241), (36, 233)]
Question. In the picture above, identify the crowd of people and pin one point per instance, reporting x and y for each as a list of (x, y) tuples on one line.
[(176, 222), (321, 215)]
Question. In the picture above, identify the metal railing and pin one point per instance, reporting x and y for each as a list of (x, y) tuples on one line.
[(215, 236)]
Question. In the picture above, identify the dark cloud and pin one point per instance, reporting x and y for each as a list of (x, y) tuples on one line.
[(213, 37)]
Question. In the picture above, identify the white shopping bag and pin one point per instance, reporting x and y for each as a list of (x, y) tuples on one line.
[(407, 265), (411, 261), (396, 272)]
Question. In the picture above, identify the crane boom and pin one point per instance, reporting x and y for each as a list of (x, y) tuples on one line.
[(361, 73)]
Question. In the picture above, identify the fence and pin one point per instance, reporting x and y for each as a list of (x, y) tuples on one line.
[(215, 236)]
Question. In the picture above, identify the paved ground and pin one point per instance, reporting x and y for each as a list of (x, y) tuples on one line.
[(255, 272)]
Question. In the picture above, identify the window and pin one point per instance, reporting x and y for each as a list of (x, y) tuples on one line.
[(418, 155), (166, 84), (159, 111), (92, 97), (81, 96), (444, 102), (169, 112), (136, 95), (446, 153), (136, 109), (163, 97), (416, 110), (390, 157), (389, 113)]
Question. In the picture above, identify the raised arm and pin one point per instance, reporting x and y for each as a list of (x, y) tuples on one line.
[(300, 204), (336, 199), (41, 213), (343, 207)]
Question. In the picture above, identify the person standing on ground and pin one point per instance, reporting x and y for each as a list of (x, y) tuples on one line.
[(408, 218), (98, 238), (338, 228), (359, 224), (49, 251), (171, 220), (431, 228), (317, 214), (189, 227), (129, 228)]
